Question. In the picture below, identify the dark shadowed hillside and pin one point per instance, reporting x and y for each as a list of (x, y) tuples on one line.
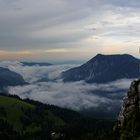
[(10, 78)]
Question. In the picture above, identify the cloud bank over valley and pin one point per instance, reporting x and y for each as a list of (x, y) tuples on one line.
[(78, 96), (74, 95)]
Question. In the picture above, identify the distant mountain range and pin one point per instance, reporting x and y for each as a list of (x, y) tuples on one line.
[(10, 78), (104, 68), (35, 63)]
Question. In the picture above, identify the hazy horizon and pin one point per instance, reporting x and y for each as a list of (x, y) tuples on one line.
[(57, 62)]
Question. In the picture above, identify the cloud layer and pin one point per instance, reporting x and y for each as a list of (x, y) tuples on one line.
[(79, 96), (34, 73), (75, 95)]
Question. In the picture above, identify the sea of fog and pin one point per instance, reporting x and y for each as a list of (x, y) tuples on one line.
[(78, 96)]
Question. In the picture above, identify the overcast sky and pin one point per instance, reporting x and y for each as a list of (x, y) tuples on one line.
[(66, 30)]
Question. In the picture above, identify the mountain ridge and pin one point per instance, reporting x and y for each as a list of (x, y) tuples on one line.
[(104, 68), (10, 78), (36, 64)]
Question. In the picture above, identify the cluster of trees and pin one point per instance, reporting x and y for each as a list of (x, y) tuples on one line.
[(7, 133)]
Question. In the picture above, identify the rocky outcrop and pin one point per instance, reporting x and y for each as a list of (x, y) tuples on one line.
[(128, 124), (130, 103)]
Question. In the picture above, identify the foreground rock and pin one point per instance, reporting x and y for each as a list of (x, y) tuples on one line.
[(128, 125)]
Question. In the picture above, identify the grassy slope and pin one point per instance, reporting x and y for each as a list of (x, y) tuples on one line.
[(41, 120), (15, 110)]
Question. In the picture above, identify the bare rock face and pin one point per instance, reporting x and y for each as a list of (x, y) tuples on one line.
[(130, 103)]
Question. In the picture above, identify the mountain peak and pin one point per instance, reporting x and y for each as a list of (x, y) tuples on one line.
[(99, 55), (104, 68), (113, 55)]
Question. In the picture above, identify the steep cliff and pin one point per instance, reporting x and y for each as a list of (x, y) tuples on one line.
[(128, 126)]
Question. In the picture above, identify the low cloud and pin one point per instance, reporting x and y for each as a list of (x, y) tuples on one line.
[(34, 73), (74, 95)]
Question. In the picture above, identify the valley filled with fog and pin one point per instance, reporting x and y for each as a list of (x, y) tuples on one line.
[(45, 85)]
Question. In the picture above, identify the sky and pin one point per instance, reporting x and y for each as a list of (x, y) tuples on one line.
[(68, 30)]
